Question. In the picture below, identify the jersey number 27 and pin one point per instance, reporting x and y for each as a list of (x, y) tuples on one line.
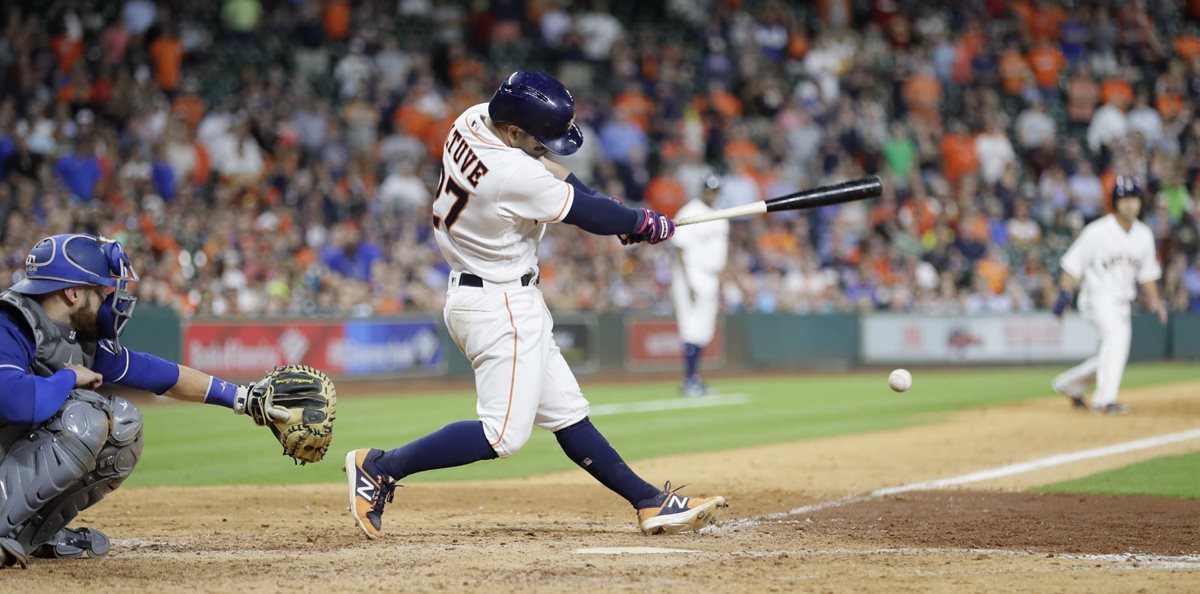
[(461, 197)]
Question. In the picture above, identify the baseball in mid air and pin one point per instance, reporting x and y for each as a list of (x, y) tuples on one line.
[(900, 380)]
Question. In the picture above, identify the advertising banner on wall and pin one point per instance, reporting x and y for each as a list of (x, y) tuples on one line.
[(904, 338), (358, 348), (653, 344)]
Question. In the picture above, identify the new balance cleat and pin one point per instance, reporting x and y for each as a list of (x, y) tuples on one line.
[(72, 543), (671, 512), (370, 491)]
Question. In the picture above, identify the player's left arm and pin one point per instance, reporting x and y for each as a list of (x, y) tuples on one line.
[(1147, 276), (134, 369), (1154, 301)]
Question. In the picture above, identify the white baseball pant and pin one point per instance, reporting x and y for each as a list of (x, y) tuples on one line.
[(521, 378), (1111, 319), (697, 319)]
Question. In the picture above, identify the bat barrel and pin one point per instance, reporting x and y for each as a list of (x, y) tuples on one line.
[(859, 189)]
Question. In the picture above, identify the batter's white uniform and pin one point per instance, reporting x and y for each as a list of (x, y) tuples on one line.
[(1111, 263), (703, 248), (490, 211)]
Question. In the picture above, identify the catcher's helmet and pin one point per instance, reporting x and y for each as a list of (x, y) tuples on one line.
[(541, 106), (1126, 187), (74, 260)]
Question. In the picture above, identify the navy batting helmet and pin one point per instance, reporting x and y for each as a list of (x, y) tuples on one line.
[(1126, 187), (541, 106), (78, 260)]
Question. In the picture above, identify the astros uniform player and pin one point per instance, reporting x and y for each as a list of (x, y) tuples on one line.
[(700, 254), (496, 196), (1111, 256)]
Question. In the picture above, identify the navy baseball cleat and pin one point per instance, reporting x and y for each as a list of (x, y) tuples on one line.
[(370, 490), (1073, 392), (72, 543), (671, 512), (694, 387)]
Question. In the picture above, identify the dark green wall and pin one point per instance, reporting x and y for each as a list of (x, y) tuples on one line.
[(1149, 342), (794, 341), (1185, 336), (155, 329)]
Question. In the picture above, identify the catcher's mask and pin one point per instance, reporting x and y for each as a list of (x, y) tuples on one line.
[(77, 259)]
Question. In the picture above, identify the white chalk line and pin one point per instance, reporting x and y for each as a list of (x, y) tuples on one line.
[(672, 404), (973, 477)]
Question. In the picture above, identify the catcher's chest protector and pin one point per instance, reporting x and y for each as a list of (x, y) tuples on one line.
[(55, 343)]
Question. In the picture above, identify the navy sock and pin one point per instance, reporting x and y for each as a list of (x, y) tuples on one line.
[(585, 446), (691, 359), (455, 444)]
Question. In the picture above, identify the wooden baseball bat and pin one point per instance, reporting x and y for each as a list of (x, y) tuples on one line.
[(858, 189)]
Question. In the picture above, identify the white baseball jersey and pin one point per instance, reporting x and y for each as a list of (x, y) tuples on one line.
[(492, 202), (704, 245), (703, 248), (1112, 261)]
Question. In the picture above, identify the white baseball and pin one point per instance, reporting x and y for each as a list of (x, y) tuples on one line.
[(900, 380)]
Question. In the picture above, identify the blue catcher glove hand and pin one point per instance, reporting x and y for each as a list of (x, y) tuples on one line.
[(656, 227), (1063, 302)]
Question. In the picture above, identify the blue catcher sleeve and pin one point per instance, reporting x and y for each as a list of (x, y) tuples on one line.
[(126, 367), (27, 398), (596, 213)]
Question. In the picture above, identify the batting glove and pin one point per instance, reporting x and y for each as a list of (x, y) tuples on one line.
[(655, 227), (1064, 300)]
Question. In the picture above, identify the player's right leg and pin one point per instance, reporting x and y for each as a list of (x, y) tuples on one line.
[(498, 331), (1073, 382)]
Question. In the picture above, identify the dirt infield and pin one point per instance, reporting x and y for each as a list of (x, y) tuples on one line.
[(792, 524)]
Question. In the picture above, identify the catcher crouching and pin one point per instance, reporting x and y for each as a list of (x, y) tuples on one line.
[(63, 446)]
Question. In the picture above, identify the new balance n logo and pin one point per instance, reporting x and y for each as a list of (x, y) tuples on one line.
[(676, 501), (366, 489)]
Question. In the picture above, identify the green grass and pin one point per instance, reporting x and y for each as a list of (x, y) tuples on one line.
[(1170, 476), (205, 445)]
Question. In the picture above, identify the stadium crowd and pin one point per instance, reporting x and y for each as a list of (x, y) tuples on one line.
[(277, 157)]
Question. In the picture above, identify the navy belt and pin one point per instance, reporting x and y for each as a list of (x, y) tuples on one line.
[(467, 279)]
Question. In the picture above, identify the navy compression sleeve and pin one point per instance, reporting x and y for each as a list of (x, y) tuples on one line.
[(596, 213)]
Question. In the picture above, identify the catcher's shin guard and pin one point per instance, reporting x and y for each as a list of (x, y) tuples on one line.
[(50, 473), (114, 464)]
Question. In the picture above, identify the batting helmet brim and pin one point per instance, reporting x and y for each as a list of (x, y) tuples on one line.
[(563, 145)]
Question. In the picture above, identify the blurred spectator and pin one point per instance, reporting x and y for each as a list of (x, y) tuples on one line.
[(282, 163), (80, 171)]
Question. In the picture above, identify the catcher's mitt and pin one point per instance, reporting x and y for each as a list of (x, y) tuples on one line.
[(309, 398)]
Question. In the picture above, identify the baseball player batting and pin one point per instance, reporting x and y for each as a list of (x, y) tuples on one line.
[(496, 196), (1112, 255), (700, 254)]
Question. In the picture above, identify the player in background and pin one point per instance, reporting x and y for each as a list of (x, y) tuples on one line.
[(63, 447), (700, 254), (496, 196), (1111, 256)]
